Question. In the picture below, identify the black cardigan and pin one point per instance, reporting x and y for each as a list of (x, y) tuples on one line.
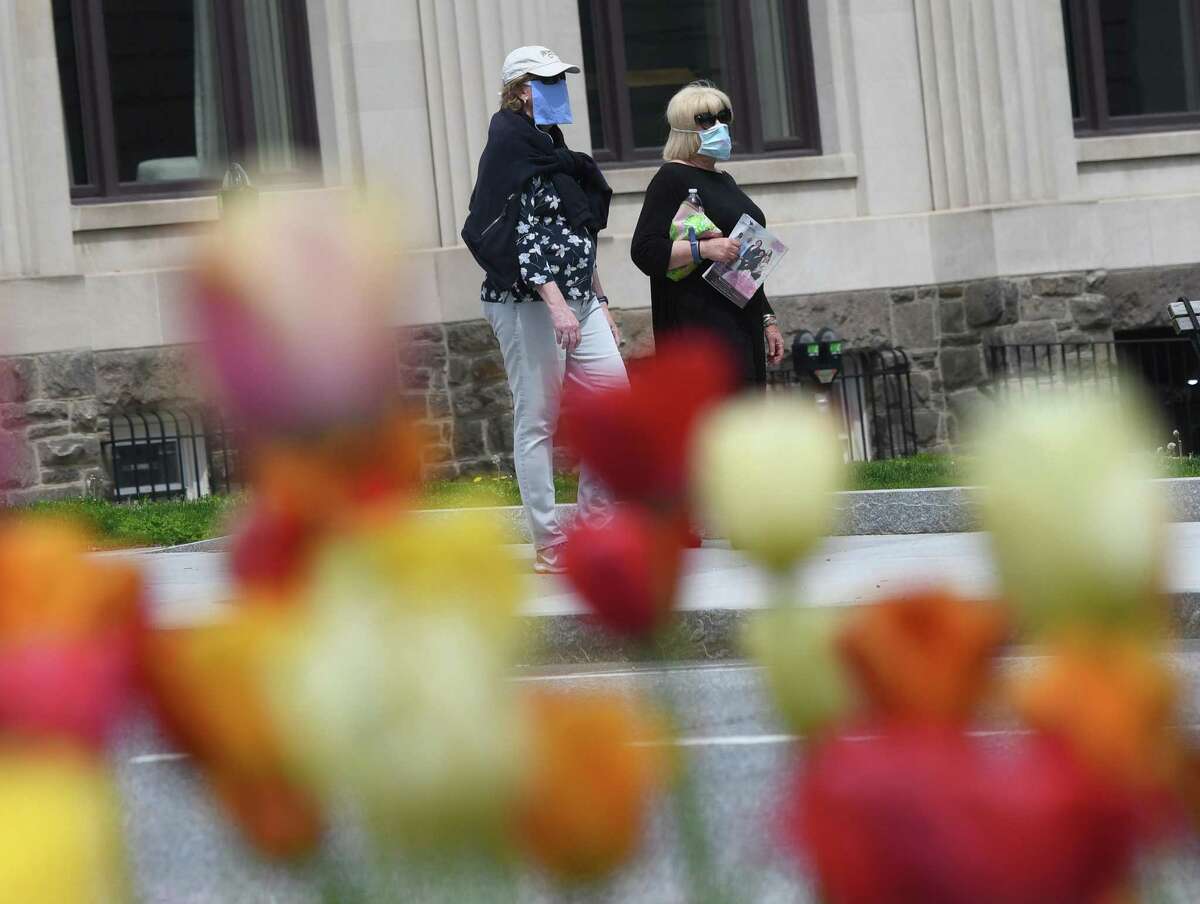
[(516, 151)]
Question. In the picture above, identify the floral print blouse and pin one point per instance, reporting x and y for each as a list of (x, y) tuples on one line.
[(548, 250)]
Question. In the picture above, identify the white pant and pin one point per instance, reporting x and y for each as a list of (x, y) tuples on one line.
[(536, 366)]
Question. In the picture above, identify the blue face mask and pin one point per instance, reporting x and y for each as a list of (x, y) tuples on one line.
[(716, 142), (551, 103)]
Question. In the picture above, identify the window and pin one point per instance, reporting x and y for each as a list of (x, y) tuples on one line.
[(637, 53), (1133, 65), (157, 454), (160, 96)]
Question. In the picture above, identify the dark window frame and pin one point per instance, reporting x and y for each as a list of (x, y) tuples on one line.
[(1085, 58), (738, 62), (99, 127)]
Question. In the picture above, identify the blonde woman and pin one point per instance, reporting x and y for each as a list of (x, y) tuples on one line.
[(700, 116)]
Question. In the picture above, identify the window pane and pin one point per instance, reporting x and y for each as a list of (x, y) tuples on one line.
[(166, 98), (667, 46), (1149, 56), (591, 74), (68, 78), (773, 64), (270, 86)]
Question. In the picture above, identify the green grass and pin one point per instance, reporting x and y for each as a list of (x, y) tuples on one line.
[(165, 523), (171, 523), (1181, 467)]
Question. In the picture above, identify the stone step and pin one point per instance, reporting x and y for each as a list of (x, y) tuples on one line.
[(719, 589)]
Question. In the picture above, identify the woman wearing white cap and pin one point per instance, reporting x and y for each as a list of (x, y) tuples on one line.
[(535, 212)]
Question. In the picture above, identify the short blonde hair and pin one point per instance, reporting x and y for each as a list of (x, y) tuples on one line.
[(689, 101), (510, 96)]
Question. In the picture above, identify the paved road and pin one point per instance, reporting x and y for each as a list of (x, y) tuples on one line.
[(183, 854)]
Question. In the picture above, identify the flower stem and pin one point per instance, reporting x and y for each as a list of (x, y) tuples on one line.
[(702, 880)]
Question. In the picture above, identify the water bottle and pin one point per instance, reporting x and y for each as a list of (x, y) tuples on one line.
[(693, 198)]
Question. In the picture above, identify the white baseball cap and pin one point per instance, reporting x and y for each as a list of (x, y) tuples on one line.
[(533, 60)]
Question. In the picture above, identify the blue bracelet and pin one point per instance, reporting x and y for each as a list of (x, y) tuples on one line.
[(695, 244)]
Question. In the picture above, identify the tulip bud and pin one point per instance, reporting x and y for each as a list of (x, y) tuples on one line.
[(1077, 524), (805, 676), (765, 473)]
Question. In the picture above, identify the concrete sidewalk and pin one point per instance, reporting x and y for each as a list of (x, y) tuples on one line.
[(845, 571)]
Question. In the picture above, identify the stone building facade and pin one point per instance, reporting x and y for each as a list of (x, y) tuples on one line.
[(946, 186)]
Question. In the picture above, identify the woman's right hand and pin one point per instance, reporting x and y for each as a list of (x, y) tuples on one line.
[(566, 325), (723, 251)]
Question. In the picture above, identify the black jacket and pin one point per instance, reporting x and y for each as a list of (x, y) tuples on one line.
[(516, 151)]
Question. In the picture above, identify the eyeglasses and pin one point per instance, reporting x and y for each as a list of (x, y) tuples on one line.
[(708, 120)]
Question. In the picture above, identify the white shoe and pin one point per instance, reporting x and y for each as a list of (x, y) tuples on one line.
[(550, 560)]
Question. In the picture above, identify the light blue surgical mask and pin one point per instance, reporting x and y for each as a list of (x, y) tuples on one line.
[(551, 103), (715, 142)]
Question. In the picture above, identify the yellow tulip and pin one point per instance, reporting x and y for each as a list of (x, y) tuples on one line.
[(1077, 525), (764, 471), (60, 838), (797, 648)]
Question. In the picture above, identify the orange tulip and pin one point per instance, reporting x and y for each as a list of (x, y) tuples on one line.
[(1113, 702), (594, 768), (205, 683), (923, 657), (50, 587)]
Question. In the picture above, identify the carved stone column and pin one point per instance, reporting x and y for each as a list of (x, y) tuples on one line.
[(997, 107), (464, 43), (35, 202)]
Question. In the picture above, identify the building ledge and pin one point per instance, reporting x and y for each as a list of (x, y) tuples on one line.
[(1142, 146), (132, 214), (764, 171)]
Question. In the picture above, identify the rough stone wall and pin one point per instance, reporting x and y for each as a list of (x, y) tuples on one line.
[(52, 404), (453, 374), (944, 328)]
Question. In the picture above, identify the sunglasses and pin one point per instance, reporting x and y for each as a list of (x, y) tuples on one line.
[(708, 120), (550, 79)]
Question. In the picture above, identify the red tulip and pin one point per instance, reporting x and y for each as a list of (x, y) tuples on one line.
[(931, 816), (75, 689), (627, 570), (637, 438)]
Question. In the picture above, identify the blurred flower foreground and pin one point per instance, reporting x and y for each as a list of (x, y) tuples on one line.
[(363, 675)]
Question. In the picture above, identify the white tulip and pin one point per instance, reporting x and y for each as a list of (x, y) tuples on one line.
[(1077, 524), (764, 473)]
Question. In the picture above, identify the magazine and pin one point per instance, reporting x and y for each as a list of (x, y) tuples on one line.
[(759, 254)]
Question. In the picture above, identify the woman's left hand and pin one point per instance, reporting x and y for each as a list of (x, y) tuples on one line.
[(774, 344), (616, 330)]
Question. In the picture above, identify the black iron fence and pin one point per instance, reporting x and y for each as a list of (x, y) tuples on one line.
[(1167, 369), (170, 454), (871, 397)]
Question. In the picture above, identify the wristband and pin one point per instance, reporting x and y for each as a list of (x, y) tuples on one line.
[(603, 299), (695, 244), (769, 320)]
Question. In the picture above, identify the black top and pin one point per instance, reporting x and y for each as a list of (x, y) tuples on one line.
[(692, 303), (516, 152)]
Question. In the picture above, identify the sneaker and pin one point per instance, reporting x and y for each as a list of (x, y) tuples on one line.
[(549, 560)]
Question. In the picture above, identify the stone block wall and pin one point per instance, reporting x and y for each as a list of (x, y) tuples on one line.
[(945, 328), (53, 404)]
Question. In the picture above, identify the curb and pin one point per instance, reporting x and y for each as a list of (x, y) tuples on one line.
[(706, 635), (861, 513)]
